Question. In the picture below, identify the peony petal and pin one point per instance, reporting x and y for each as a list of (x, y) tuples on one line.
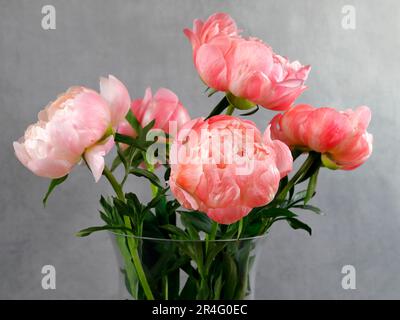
[(325, 128), (116, 94), (187, 200), (246, 58), (47, 167), (211, 65), (283, 156), (228, 215), (362, 118), (21, 153), (94, 157)]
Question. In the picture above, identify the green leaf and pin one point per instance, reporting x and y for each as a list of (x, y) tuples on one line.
[(131, 278), (163, 213), (174, 230), (230, 231), (105, 205), (132, 120), (123, 209), (230, 273), (146, 174), (308, 207), (193, 232), (88, 231), (253, 229), (221, 106), (109, 214), (243, 264), (148, 127), (122, 156), (297, 224), (54, 183), (105, 218), (312, 184), (123, 138), (282, 183), (213, 250), (276, 213), (199, 220), (143, 138), (217, 287), (151, 227), (133, 201), (298, 197), (129, 141), (156, 200)]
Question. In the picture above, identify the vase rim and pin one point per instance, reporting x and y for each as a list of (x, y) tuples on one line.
[(188, 240)]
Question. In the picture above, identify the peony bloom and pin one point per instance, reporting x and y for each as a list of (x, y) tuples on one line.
[(219, 24), (246, 69), (224, 167), (340, 136), (78, 124), (164, 108)]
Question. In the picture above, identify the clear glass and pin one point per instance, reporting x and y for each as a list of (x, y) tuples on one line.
[(186, 269)]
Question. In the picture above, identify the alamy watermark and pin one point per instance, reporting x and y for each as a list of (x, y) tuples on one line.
[(349, 280), (49, 278), (49, 18), (349, 17)]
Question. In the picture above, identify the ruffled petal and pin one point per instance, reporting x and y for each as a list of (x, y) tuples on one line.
[(94, 157), (116, 94)]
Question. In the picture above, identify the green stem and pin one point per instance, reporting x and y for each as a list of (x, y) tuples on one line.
[(230, 110), (154, 189), (240, 228), (131, 156), (141, 275), (212, 235), (214, 229), (114, 183), (132, 244), (165, 285), (304, 168)]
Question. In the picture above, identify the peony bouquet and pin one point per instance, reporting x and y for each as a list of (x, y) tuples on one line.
[(218, 183)]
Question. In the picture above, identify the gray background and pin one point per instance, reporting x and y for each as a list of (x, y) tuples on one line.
[(141, 42)]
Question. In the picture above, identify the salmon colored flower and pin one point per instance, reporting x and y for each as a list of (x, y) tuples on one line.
[(78, 124), (246, 69), (224, 167), (218, 24), (340, 136), (164, 107)]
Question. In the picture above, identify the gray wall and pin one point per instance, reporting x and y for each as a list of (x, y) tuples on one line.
[(141, 42)]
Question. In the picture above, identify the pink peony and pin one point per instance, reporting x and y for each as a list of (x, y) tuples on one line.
[(247, 69), (224, 167), (164, 108), (341, 137), (78, 124)]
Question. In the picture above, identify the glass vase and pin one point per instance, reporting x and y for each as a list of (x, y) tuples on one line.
[(169, 269)]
